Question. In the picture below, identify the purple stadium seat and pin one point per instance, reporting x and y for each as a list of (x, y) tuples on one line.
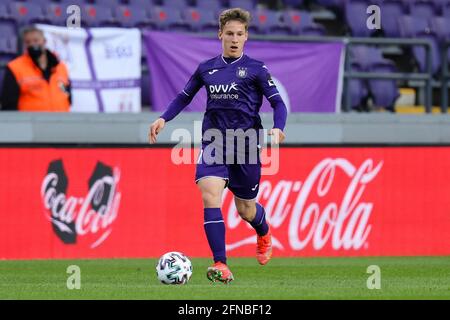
[(97, 16), (201, 20), (168, 19), (269, 22), (129, 16), (391, 11), (4, 12), (213, 5), (26, 13), (301, 22), (14, 44), (384, 91), (370, 59), (331, 3), (294, 4), (416, 27), (80, 3), (108, 3), (356, 18), (441, 26), (410, 26), (440, 5), (142, 4), (248, 5), (293, 20), (38, 2), (389, 4), (309, 27), (56, 13), (8, 28), (425, 9), (366, 56), (446, 9), (358, 88), (178, 4), (4, 45)]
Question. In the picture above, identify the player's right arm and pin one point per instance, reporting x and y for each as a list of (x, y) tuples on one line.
[(270, 91), (177, 105), (155, 128)]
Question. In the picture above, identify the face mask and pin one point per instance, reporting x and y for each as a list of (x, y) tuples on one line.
[(35, 51)]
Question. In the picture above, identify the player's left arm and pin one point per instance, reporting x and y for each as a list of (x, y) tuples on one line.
[(271, 93)]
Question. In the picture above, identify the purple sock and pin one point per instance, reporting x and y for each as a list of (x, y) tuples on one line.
[(215, 232), (259, 222)]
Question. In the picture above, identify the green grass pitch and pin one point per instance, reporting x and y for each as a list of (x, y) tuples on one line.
[(282, 278)]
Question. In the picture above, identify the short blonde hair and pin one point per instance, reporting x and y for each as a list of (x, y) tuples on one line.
[(237, 14)]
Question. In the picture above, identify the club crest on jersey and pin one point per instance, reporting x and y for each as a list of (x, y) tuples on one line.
[(241, 72)]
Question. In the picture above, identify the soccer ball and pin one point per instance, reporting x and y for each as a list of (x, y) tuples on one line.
[(174, 268)]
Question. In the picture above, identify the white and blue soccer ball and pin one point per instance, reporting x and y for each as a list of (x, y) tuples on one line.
[(174, 268)]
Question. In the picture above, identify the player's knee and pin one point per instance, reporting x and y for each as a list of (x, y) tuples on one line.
[(211, 199)]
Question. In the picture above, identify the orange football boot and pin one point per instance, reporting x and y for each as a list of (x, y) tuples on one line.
[(219, 271), (264, 248)]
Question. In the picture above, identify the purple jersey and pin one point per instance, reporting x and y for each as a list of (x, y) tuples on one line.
[(234, 90)]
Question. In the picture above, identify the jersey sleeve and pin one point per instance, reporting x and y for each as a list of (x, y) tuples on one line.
[(183, 98), (266, 83), (270, 91), (194, 84)]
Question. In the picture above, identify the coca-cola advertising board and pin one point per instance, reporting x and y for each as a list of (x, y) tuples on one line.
[(137, 202)]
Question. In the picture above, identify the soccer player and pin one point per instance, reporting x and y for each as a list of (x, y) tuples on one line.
[(235, 85)]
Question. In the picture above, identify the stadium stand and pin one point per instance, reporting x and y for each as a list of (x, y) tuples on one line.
[(133, 17), (215, 6), (56, 13), (109, 3), (201, 19), (98, 16), (423, 9), (293, 3), (358, 90), (24, 13), (176, 4), (383, 92), (278, 17), (419, 27), (392, 10), (270, 22), (168, 19), (356, 18), (249, 5), (441, 27)]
